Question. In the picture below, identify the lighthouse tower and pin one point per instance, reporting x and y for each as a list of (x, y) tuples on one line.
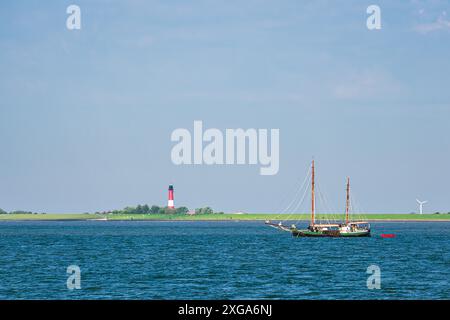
[(170, 203)]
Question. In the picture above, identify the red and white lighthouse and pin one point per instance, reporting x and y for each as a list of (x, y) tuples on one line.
[(170, 203)]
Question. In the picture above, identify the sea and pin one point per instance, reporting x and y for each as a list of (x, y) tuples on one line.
[(219, 260)]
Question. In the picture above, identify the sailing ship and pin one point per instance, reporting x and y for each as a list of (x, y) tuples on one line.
[(346, 228)]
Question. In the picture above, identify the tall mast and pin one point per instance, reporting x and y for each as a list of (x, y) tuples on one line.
[(313, 204), (347, 206)]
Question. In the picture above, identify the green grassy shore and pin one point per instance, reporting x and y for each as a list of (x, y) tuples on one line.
[(213, 217)]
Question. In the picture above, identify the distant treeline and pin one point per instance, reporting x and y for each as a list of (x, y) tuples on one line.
[(19, 212), (139, 209), (146, 209)]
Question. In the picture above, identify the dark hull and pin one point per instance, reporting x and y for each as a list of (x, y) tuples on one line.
[(323, 234)]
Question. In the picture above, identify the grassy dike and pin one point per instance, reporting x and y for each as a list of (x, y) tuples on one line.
[(212, 217)]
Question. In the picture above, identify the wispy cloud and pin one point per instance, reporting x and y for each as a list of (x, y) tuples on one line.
[(442, 23)]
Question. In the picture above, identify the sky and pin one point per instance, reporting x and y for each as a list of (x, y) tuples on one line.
[(86, 115)]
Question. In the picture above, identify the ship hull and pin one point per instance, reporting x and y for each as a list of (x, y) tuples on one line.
[(336, 234)]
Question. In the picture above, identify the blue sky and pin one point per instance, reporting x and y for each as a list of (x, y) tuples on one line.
[(86, 115)]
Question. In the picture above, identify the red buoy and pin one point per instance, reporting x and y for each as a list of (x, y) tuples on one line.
[(388, 235)]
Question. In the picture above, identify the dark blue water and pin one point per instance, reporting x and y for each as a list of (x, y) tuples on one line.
[(219, 260)]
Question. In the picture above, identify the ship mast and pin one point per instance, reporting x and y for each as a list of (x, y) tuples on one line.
[(347, 206), (313, 204)]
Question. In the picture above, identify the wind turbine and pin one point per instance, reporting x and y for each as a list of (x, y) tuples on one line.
[(421, 203)]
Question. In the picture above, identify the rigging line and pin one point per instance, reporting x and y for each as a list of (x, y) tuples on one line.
[(335, 213), (355, 210), (305, 191), (321, 202), (297, 192), (287, 216), (357, 206), (299, 203), (324, 199), (330, 217), (326, 202), (328, 210)]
